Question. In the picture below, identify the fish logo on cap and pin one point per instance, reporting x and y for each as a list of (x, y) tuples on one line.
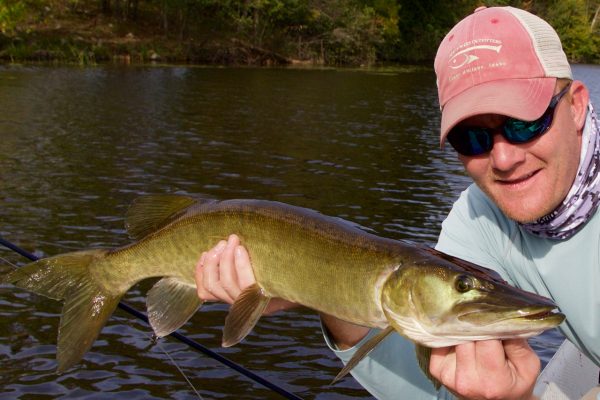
[(465, 56)]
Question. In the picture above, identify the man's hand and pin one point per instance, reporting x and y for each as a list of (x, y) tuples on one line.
[(225, 270), (489, 369)]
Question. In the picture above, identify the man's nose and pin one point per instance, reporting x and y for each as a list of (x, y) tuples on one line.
[(506, 155)]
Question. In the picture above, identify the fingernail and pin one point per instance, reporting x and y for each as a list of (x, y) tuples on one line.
[(230, 242), (220, 246)]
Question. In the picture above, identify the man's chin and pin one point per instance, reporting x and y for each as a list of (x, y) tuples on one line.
[(522, 211), (522, 216)]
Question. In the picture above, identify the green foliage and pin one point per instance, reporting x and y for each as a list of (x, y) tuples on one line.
[(11, 12), (353, 30), (572, 20), (423, 24), (572, 25), (358, 32)]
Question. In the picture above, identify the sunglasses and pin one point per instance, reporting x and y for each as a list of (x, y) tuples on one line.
[(474, 141)]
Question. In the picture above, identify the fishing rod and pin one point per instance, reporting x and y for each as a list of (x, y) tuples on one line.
[(176, 335)]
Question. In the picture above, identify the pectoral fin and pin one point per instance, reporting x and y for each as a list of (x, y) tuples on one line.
[(244, 314), (423, 356), (362, 352), (171, 302)]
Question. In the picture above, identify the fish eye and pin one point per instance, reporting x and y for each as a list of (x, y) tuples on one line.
[(463, 283)]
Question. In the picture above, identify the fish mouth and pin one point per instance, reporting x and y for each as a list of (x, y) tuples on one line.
[(487, 314), (540, 315)]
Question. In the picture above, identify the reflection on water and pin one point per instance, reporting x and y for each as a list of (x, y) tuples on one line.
[(77, 145)]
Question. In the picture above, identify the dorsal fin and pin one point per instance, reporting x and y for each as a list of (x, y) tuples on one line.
[(148, 213)]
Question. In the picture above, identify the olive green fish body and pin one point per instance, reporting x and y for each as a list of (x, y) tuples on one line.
[(321, 262)]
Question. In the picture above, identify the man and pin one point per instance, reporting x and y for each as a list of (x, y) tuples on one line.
[(528, 137)]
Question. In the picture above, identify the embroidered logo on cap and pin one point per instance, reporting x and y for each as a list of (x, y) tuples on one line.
[(464, 57), (464, 54)]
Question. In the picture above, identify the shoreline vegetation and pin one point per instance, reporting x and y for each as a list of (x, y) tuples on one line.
[(261, 32)]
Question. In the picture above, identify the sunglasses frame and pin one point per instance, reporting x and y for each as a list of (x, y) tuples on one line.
[(463, 139)]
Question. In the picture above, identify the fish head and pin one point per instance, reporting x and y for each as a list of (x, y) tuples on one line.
[(438, 303)]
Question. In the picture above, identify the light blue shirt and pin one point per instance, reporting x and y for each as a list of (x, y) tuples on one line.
[(391, 371), (567, 271)]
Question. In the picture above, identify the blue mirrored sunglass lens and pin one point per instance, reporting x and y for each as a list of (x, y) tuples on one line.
[(470, 141), (516, 131)]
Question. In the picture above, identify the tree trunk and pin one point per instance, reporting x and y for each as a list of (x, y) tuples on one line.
[(117, 9), (132, 9), (105, 6), (182, 24), (595, 20), (165, 15)]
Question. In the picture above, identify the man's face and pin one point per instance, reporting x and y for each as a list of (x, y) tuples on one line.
[(529, 180)]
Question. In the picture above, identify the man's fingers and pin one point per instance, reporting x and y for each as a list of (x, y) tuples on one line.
[(517, 348), (211, 275), (485, 355), (522, 356), (224, 271), (228, 277), (244, 267), (442, 364), (199, 277)]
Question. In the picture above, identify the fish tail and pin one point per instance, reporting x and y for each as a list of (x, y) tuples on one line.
[(87, 303)]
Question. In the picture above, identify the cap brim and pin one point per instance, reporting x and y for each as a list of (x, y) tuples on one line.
[(524, 99)]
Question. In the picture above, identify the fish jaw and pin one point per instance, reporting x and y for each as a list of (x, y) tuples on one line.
[(418, 333), (463, 329), (440, 305)]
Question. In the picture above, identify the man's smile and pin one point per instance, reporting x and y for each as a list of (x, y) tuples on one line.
[(518, 181)]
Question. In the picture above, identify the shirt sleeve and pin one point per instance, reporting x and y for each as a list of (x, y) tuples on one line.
[(390, 370)]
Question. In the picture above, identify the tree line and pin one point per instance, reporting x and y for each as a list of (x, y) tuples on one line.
[(330, 32)]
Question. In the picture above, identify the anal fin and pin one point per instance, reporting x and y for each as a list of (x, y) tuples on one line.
[(244, 314)]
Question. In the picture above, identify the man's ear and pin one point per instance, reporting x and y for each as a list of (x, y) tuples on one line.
[(579, 103)]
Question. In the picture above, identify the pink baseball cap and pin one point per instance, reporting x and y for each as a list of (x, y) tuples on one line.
[(498, 60)]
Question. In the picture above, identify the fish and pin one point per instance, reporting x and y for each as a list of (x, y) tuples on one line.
[(325, 263)]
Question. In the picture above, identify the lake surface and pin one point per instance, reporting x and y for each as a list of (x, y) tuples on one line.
[(77, 145)]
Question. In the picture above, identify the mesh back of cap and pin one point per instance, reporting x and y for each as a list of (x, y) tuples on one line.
[(546, 43)]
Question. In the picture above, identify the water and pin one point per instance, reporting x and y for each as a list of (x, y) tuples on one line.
[(79, 144)]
